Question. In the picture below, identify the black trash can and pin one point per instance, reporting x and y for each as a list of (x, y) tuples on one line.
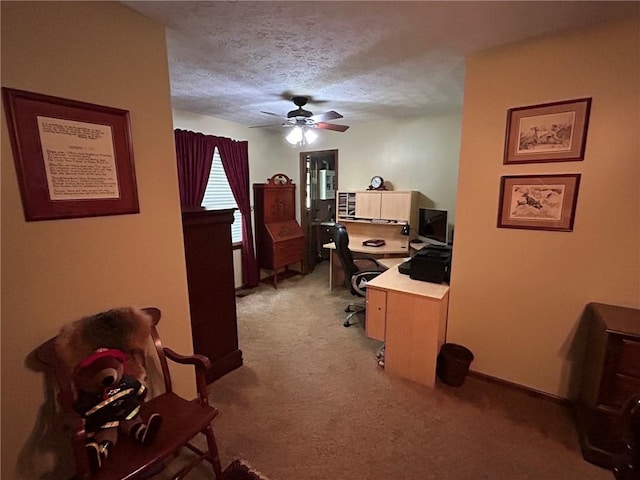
[(453, 364)]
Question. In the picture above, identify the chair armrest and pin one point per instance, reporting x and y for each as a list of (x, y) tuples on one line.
[(369, 263), (359, 281), (200, 362)]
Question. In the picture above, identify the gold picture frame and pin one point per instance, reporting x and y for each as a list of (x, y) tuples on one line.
[(549, 132)]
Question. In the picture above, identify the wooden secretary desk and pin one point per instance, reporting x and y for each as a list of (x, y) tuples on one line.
[(279, 237)]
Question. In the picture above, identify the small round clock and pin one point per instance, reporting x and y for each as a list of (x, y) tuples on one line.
[(377, 183)]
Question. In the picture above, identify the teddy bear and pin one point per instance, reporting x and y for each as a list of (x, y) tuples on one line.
[(109, 401), (126, 329), (104, 356)]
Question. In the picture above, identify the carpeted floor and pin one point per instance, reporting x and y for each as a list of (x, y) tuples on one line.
[(310, 403)]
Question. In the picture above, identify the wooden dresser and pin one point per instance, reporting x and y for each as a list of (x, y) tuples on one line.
[(212, 300), (611, 375), (279, 237)]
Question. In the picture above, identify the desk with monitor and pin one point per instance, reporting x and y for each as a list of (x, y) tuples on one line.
[(410, 316)]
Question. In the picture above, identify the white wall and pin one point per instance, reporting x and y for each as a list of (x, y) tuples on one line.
[(56, 271), (517, 295)]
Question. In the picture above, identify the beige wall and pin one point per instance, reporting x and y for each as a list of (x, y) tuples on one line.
[(517, 295), (56, 271)]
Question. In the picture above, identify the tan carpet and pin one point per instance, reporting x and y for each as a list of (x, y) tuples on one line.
[(310, 403)]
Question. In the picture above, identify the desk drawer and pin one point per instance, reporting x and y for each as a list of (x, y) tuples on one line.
[(629, 358), (618, 389)]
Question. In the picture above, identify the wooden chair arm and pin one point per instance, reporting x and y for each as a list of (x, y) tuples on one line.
[(200, 361), (201, 364)]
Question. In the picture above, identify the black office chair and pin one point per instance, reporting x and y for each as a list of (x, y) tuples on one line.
[(357, 271)]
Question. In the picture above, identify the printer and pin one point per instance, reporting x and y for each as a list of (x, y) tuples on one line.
[(431, 264)]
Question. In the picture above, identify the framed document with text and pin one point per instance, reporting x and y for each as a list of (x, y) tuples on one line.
[(73, 159)]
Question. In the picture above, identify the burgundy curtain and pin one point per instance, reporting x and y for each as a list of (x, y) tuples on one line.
[(235, 161), (194, 152)]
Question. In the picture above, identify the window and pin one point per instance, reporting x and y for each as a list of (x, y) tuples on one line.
[(218, 195)]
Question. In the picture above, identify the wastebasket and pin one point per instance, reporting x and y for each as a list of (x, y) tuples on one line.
[(453, 364)]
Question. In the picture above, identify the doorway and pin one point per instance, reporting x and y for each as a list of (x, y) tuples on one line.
[(319, 184)]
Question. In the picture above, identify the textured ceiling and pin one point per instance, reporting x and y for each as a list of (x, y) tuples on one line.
[(367, 60)]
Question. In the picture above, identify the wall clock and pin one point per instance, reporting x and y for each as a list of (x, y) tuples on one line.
[(377, 183)]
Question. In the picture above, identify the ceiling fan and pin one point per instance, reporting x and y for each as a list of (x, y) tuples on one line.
[(304, 118)]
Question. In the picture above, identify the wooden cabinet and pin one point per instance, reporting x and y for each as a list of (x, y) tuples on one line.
[(376, 313), (399, 207), (410, 316), (279, 237), (610, 376), (212, 301)]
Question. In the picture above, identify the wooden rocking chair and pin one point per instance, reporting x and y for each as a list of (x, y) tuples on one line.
[(183, 420)]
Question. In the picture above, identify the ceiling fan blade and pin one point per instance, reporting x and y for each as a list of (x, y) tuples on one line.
[(270, 113), (330, 126), (270, 125), (323, 117)]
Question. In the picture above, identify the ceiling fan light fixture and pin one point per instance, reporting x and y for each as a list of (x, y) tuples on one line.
[(310, 136), (300, 136), (295, 136)]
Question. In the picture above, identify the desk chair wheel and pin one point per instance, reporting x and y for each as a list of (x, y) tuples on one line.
[(355, 309)]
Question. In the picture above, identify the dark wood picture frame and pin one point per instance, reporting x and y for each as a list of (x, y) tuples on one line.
[(538, 202), (549, 132), (88, 170)]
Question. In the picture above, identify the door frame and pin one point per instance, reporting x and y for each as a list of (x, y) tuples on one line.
[(304, 218)]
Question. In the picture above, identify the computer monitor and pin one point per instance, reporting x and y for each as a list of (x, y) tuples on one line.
[(432, 225)]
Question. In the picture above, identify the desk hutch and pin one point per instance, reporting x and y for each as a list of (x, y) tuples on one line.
[(381, 208), (374, 214), (279, 237)]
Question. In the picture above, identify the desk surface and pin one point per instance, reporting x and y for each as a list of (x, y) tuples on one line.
[(392, 279), (391, 247), (391, 262)]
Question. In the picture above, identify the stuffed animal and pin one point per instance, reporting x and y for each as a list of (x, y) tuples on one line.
[(104, 355), (109, 401), (125, 329)]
